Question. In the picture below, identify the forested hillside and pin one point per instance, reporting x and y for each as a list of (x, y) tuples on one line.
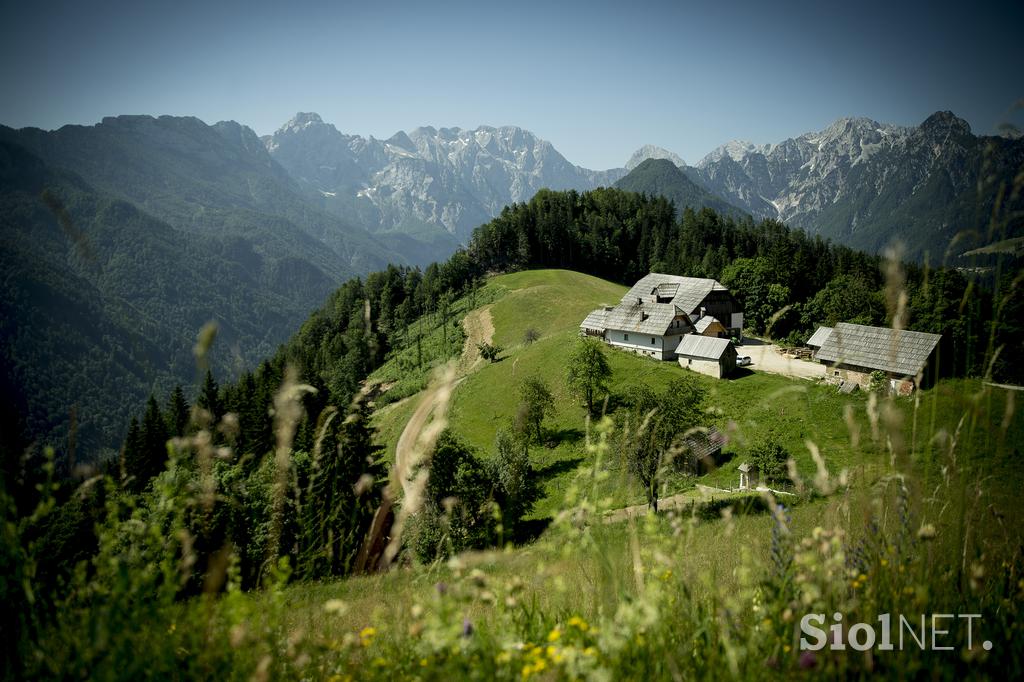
[(122, 240), (662, 177)]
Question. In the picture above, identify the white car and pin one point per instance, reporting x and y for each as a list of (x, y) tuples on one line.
[(743, 360)]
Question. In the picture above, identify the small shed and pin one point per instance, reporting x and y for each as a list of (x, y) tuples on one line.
[(710, 326), (708, 355), (818, 338), (703, 449)]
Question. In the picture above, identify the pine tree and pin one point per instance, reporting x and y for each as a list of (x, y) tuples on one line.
[(177, 413), (146, 447), (133, 448), (209, 397)]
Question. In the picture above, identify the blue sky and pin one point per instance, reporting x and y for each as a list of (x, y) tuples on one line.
[(597, 79)]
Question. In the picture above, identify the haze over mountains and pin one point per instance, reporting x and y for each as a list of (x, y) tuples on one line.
[(120, 240)]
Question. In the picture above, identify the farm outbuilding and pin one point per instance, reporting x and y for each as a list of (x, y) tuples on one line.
[(703, 449), (708, 355), (853, 351)]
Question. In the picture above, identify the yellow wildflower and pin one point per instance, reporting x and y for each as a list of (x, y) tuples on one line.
[(503, 657), (554, 635), (578, 623)]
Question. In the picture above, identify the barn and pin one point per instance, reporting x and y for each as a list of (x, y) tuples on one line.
[(706, 354), (852, 352)]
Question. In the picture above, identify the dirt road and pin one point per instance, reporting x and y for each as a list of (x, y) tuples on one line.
[(479, 329), (765, 357)]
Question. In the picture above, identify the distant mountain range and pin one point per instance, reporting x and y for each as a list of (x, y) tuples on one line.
[(858, 182), (864, 183), (435, 185), (120, 240)]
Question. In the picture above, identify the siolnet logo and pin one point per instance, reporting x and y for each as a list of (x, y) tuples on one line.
[(935, 632)]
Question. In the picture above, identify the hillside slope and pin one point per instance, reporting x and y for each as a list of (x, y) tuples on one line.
[(121, 240), (662, 177)]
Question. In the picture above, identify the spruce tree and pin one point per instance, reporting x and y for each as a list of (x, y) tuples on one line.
[(177, 413), (132, 451), (209, 397)]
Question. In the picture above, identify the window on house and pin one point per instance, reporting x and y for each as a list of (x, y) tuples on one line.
[(625, 337), (652, 340)]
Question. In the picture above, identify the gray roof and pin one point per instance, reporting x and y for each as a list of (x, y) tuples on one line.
[(595, 320), (900, 352), (708, 347), (819, 337), (687, 292), (703, 323), (704, 443), (645, 318)]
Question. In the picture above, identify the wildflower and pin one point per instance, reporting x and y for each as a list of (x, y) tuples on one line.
[(503, 657), (554, 635), (590, 651), (786, 648), (366, 635), (335, 606), (808, 660), (578, 623), (885, 562), (467, 627), (442, 588), (927, 532)]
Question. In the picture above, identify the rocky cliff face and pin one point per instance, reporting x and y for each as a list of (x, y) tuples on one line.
[(426, 181), (864, 183)]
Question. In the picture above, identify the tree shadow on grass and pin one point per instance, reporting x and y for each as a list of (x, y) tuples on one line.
[(548, 472), (553, 438), (741, 373), (528, 530)]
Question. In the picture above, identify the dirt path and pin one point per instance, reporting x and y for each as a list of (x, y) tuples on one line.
[(479, 328), (766, 358)]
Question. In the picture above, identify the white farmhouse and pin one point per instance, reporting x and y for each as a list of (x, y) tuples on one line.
[(659, 310)]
